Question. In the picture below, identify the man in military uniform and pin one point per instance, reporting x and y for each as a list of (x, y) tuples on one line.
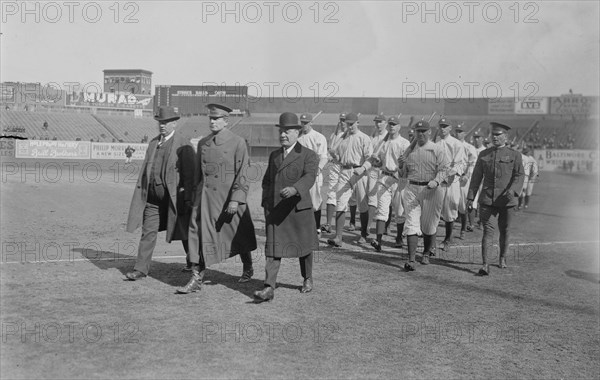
[(500, 170), (220, 225), (425, 165)]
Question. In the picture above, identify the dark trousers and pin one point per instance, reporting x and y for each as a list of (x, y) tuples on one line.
[(272, 268), (155, 212), (487, 214)]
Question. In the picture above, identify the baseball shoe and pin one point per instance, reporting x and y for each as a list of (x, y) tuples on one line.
[(484, 271), (526, 206), (409, 267), (425, 259), (399, 243), (187, 268), (351, 227), (518, 208), (318, 231), (376, 245), (326, 228), (334, 243), (462, 235), (362, 240), (135, 275), (470, 228), (445, 245)]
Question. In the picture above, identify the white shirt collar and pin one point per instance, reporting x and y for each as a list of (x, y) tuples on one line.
[(288, 150)]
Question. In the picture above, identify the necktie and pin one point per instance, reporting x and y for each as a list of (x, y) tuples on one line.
[(284, 153)]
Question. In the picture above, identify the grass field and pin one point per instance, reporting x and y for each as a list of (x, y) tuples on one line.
[(66, 311)]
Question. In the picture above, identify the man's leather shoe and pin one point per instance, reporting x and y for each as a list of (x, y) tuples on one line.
[(135, 275), (187, 268), (334, 242), (307, 286), (409, 267), (484, 271), (376, 245), (194, 285), (267, 294), (247, 275)]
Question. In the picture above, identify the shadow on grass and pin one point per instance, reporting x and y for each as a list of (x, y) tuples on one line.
[(171, 273), (591, 277)]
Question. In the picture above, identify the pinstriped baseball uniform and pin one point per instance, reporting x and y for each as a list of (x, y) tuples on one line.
[(388, 153), (423, 206), (333, 169), (375, 172), (450, 186), (471, 155), (315, 141), (354, 151), (476, 200), (531, 171)]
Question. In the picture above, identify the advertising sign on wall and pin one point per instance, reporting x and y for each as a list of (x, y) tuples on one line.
[(52, 149), (570, 161), (532, 106), (116, 151)]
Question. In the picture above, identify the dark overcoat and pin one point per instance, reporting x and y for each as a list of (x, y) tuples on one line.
[(179, 179), (290, 223), (501, 172), (221, 169)]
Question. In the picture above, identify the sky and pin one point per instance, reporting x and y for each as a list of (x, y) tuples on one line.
[(442, 49)]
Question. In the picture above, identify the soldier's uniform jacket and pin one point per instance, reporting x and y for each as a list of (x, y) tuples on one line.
[(501, 172)]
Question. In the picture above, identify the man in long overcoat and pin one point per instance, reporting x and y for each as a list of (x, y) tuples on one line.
[(162, 198), (289, 219), (221, 225)]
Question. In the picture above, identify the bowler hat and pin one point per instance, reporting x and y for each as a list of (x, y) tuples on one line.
[(306, 117), (218, 110), (351, 118), (422, 125), (166, 114), (288, 120)]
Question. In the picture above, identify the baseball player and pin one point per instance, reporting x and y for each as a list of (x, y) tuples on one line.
[(479, 147), (450, 185), (425, 166), (354, 151), (333, 173), (465, 178), (379, 134), (531, 173), (386, 157), (315, 141)]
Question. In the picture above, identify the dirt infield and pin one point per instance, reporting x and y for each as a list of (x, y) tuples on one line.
[(66, 311)]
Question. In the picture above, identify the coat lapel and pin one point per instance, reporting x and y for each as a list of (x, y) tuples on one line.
[(291, 157), (152, 147)]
